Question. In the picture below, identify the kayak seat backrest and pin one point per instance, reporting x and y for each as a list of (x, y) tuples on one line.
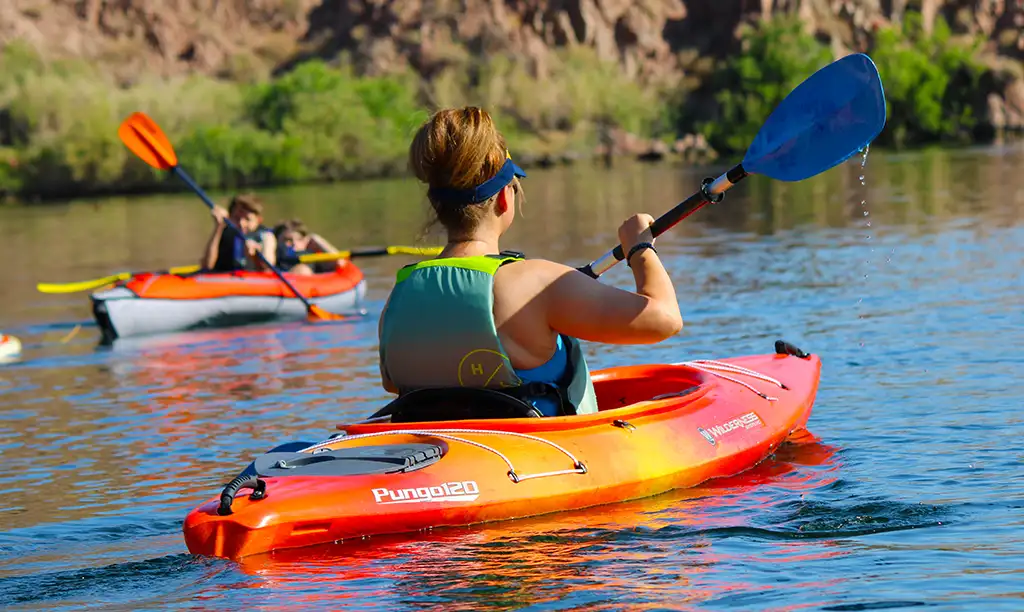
[(455, 404)]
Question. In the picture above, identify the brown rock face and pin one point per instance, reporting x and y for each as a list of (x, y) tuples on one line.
[(1007, 111), (174, 36), (652, 40), (644, 36), (135, 37), (430, 35)]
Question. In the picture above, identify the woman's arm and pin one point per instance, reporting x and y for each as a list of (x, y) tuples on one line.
[(270, 247), (209, 258), (585, 308)]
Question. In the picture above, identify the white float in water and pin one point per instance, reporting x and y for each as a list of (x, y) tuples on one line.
[(10, 347)]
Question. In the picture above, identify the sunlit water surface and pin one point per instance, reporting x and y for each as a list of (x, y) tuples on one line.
[(910, 492)]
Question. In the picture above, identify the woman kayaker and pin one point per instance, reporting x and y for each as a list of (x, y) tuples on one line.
[(479, 317), (294, 241), (226, 251)]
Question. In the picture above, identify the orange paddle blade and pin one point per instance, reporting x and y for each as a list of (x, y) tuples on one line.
[(145, 138), (315, 313)]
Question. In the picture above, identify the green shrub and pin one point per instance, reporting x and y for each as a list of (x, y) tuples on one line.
[(317, 121), (579, 91), (242, 155), (931, 83), (58, 120), (10, 173), (63, 134), (345, 124), (62, 120), (777, 56)]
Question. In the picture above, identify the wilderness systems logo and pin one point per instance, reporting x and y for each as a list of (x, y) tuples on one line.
[(706, 435), (465, 491), (749, 420)]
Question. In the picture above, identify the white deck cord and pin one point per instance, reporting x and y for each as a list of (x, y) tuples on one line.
[(716, 368), (709, 366), (578, 466), (711, 363)]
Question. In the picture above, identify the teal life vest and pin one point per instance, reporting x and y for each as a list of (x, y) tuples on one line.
[(438, 332)]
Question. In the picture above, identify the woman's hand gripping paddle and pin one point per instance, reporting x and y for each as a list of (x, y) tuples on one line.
[(830, 116), (146, 140)]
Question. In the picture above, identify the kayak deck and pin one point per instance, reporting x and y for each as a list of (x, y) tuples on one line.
[(659, 427)]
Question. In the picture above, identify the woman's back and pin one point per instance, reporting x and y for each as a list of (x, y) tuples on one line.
[(439, 330), (473, 318)]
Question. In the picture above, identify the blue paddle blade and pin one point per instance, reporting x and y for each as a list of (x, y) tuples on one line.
[(825, 120)]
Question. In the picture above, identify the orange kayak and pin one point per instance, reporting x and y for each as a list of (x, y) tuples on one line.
[(155, 303), (658, 428)]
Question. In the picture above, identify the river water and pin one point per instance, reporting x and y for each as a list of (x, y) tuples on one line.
[(908, 492)]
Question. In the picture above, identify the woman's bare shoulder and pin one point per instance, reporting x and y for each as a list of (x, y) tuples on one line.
[(552, 280), (540, 271)]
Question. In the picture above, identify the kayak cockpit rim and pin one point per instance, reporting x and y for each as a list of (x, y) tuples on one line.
[(692, 388)]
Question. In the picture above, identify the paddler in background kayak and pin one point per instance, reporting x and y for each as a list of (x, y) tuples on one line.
[(479, 317), (226, 251), (293, 241)]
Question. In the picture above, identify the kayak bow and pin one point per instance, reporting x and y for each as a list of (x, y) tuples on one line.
[(659, 427)]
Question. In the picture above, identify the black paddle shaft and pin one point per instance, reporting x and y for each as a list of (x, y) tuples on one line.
[(711, 192)]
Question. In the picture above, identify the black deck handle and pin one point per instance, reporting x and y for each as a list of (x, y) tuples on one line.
[(242, 481), (784, 348)]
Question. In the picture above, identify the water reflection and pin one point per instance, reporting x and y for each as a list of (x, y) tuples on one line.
[(573, 556), (571, 215), (187, 400), (106, 449)]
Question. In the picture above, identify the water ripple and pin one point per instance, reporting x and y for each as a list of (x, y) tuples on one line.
[(908, 494)]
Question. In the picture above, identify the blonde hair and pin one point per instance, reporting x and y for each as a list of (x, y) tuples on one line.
[(458, 149)]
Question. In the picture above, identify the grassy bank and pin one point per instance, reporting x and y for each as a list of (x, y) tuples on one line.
[(58, 120)]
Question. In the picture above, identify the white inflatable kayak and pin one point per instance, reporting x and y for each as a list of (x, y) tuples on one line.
[(156, 303)]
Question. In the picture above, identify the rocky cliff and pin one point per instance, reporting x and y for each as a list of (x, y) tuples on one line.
[(652, 40)]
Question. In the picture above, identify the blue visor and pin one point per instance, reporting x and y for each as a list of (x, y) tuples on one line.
[(481, 193)]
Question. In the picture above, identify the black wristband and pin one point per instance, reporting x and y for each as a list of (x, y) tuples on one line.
[(639, 247)]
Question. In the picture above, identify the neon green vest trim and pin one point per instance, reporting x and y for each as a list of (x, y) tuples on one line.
[(439, 331), (480, 263)]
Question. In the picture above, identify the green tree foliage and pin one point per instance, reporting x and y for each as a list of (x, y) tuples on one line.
[(931, 83), (320, 121), (344, 124), (777, 56)]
